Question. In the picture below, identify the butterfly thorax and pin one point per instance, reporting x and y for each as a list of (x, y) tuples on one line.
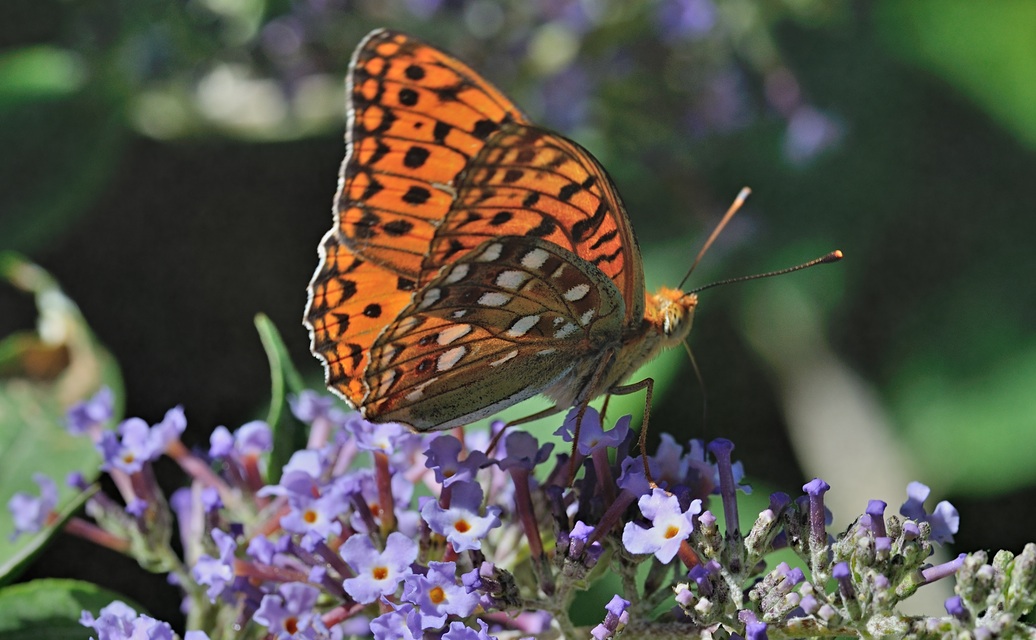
[(667, 320), (668, 315)]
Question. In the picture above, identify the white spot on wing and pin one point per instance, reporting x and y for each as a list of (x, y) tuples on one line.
[(450, 334), (407, 324), (577, 292), (557, 272), (458, 273), (522, 325), (431, 296), (387, 356), (459, 313), (586, 317), (566, 330), (418, 391), (511, 279), (386, 382), (494, 299), (450, 358), (535, 259), (507, 356), (492, 253), (546, 352)]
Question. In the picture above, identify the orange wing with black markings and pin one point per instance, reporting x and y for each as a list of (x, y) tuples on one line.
[(417, 117)]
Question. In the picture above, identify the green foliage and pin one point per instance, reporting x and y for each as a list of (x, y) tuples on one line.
[(45, 374), (51, 609)]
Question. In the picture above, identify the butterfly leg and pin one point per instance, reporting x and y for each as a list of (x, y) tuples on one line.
[(648, 385), (604, 406)]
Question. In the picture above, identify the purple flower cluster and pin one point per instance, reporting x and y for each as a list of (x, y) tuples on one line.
[(374, 528)]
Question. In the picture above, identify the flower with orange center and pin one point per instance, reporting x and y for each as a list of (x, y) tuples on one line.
[(378, 573), (670, 525), (461, 523), (437, 594)]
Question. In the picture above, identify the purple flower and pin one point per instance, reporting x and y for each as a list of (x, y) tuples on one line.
[(816, 488), (443, 457), (169, 429), (378, 573), (118, 621), (386, 437), (670, 526), (523, 451), (955, 607), (461, 523), (129, 450), (404, 623), (944, 520), (310, 405), (579, 537), (300, 478), (460, 632), (592, 435), (251, 439), (137, 443), (615, 619), (262, 549), (210, 500), (217, 573), (29, 513), (319, 516), (289, 613), (438, 595), (632, 478), (221, 442), (92, 413)]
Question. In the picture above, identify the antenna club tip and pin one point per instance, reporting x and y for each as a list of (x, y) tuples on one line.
[(743, 194), (834, 256)]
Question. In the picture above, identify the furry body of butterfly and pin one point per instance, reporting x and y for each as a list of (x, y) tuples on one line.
[(476, 259)]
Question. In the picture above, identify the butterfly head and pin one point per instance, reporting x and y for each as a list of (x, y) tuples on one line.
[(671, 311)]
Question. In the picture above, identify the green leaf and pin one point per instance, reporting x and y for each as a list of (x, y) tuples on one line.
[(30, 548), (42, 376), (986, 51), (51, 609), (288, 432)]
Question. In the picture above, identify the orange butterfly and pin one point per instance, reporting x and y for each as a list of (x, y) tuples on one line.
[(476, 259)]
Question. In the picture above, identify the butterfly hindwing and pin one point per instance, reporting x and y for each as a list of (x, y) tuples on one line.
[(532, 182), (503, 323)]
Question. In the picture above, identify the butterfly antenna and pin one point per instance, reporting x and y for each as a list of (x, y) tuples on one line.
[(738, 201), (701, 383), (834, 256)]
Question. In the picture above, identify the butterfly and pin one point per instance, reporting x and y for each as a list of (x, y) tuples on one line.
[(476, 259)]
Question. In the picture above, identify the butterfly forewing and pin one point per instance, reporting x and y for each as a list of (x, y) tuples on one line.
[(532, 182), (417, 117), (501, 324), (349, 303)]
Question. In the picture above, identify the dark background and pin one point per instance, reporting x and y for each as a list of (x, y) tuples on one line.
[(172, 165)]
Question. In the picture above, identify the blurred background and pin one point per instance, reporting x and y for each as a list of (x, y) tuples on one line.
[(172, 164)]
